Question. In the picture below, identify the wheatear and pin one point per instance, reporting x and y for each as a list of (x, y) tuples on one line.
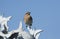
[(28, 19)]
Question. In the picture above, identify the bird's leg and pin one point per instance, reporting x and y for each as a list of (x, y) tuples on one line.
[(26, 26)]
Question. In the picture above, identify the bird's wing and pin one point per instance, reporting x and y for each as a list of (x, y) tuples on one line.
[(31, 19)]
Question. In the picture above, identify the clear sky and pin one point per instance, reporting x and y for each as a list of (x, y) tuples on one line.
[(45, 13)]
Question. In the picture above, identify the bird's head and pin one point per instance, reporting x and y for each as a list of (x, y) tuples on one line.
[(28, 13)]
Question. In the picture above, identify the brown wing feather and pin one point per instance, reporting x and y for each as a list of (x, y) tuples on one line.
[(30, 21)]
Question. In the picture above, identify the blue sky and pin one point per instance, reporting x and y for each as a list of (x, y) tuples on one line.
[(45, 13)]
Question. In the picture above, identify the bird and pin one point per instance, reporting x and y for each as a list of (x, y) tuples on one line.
[(28, 19)]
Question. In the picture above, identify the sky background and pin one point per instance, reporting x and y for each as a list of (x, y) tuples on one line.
[(45, 14)]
